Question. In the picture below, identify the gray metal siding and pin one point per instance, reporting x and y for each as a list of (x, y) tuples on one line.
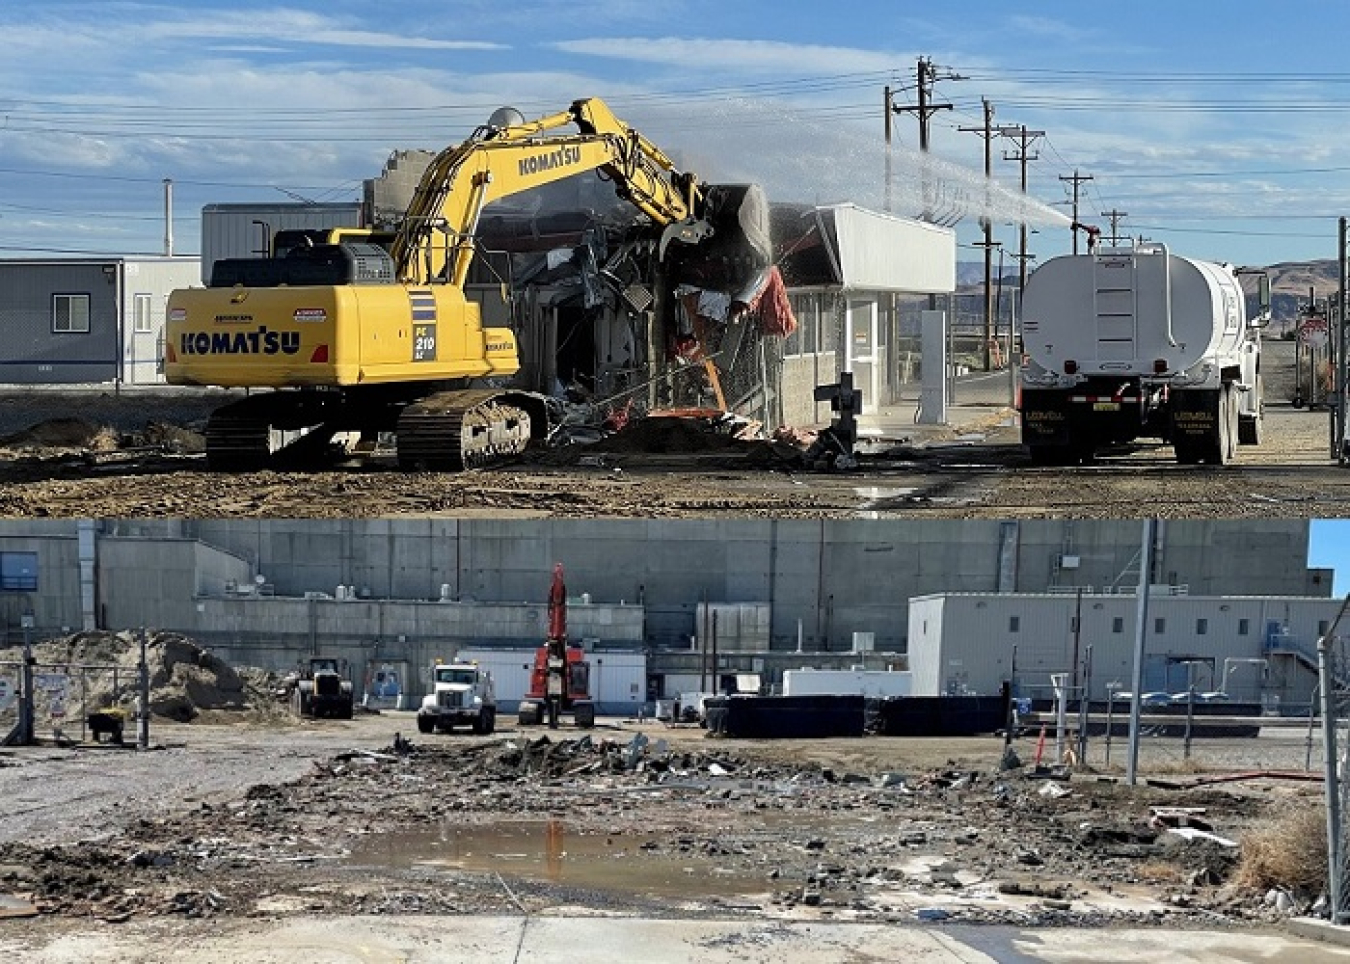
[(229, 231), (31, 352)]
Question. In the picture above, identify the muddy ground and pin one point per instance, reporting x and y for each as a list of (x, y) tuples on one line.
[(98, 454), (296, 820)]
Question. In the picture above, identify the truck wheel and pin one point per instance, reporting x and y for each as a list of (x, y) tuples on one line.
[(584, 715), (425, 724), (487, 722)]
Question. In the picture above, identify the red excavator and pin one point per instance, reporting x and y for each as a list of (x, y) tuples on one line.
[(561, 679)]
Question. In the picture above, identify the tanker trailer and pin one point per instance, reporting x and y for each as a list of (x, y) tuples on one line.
[(1135, 342)]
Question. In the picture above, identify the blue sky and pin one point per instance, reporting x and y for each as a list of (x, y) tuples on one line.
[(1329, 546), (1219, 133)]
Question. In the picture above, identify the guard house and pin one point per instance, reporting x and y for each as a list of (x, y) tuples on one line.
[(847, 271), (87, 320)]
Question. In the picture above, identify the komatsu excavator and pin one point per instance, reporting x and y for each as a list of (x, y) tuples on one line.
[(361, 333)]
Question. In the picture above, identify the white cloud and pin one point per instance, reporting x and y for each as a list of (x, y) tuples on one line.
[(748, 56)]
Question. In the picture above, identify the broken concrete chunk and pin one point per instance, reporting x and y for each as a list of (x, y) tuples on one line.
[(1053, 791)]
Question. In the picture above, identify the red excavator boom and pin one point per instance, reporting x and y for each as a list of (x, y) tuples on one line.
[(561, 675)]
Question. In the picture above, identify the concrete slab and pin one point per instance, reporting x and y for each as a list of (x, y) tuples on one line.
[(600, 940), (1319, 930)]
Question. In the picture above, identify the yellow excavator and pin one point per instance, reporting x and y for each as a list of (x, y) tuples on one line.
[(361, 333)]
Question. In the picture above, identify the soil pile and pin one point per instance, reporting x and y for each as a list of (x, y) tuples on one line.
[(186, 681), (63, 433)]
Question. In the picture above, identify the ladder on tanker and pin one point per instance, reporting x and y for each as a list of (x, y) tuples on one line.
[(1115, 305)]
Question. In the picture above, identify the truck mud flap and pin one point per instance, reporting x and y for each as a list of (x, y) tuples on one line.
[(1195, 418), (1046, 421)]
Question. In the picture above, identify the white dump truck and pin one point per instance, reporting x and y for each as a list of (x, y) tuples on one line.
[(462, 695), (1136, 342)]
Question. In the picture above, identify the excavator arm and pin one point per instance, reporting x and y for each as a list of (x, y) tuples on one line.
[(435, 240)]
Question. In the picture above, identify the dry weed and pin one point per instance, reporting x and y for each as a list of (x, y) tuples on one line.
[(1289, 852)]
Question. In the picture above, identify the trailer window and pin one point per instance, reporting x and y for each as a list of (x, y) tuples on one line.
[(1244, 627), (1014, 624), (1201, 627), (141, 315), (70, 314), (1118, 624)]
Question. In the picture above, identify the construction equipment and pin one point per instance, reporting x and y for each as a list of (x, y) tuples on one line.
[(560, 681), (364, 334), (323, 689), (1124, 342), (462, 694)]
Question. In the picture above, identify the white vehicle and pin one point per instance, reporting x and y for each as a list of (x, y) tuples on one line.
[(1130, 342), (462, 695)]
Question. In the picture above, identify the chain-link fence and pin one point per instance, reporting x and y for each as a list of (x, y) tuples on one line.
[(1334, 690), (65, 695)]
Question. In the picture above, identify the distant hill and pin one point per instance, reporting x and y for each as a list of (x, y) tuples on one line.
[(1289, 284)]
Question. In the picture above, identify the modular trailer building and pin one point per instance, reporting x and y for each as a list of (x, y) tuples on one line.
[(87, 320), (1253, 648)]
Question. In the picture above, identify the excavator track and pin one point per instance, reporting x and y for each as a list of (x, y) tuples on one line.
[(237, 442), (453, 431)]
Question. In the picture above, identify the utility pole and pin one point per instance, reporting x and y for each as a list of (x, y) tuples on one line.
[(1140, 644), (1115, 217), (886, 111), (1342, 347), (926, 74), (1076, 180), (988, 133), (1023, 156)]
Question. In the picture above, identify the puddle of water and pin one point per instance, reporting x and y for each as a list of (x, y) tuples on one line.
[(872, 495), (876, 493), (550, 851)]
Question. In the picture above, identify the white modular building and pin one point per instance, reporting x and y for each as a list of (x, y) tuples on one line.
[(1253, 648), (618, 679)]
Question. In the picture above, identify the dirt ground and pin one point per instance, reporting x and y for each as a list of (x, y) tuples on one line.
[(139, 454), (292, 820)]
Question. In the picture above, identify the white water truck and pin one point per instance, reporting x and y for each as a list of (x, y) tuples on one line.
[(1134, 342)]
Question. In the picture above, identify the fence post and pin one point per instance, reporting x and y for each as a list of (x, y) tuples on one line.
[(143, 717)]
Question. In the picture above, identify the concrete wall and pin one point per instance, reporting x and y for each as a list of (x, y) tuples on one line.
[(56, 604), (158, 583), (831, 578)]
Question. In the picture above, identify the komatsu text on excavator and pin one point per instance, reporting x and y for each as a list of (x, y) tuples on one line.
[(365, 333)]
